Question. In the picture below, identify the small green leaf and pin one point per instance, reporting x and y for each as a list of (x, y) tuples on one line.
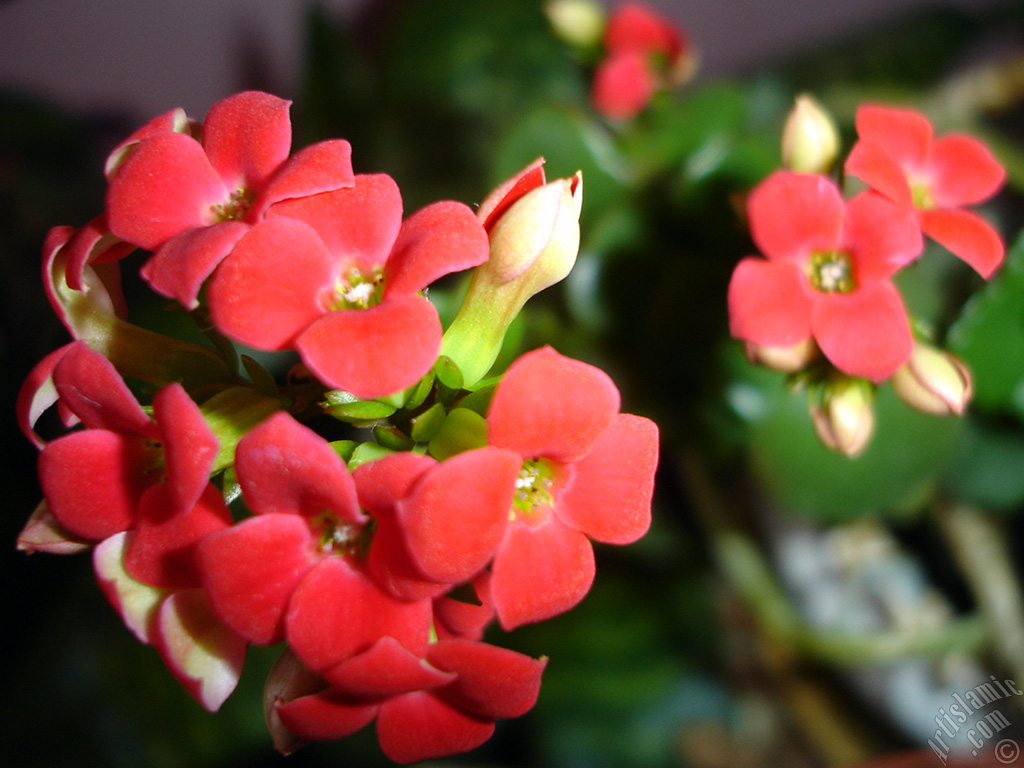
[(260, 377), (345, 406), (392, 437), (366, 452), (987, 467), (463, 430), (427, 423)]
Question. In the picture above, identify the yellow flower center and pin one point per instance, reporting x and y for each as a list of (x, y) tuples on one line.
[(236, 207), (358, 291), (831, 272)]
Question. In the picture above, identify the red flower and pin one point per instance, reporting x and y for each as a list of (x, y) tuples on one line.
[(826, 274), (191, 200), (898, 156), (644, 51), (568, 465), (338, 277), (294, 570)]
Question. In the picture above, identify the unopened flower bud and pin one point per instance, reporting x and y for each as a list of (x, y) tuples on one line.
[(810, 141), (784, 359), (844, 415), (580, 23), (534, 235), (933, 381)]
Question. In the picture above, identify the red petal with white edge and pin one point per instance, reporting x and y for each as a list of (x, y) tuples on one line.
[(967, 236), (458, 512), (93, 481), (272, 285), (373, 352), (174, 120), (419, 726), (623, 85), (92, 243), (42, 533), (964, 172), (321, 167), (793, 214), (510, 190), (135, 602), (247, 136), (442, 238), (551, 405), (326, 716), (769, 303), (381, 483), (181, 265), (165, 186), (91, 387), (204, 655), (38, 393), (492, 682), (162, 549), (879, 170), (358, 224), (337, 612), (866, 332), (386, 669), (880, 235), (284, 466), (540, 571), (904, 134), (609, 497), (190, 447), (251, 569)]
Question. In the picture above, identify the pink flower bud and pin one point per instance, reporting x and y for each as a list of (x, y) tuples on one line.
[(933, 381), (843, 415), (810, 141)]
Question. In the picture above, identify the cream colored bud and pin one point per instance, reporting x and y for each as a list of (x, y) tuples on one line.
[(580, 23), (933, 381), (844, 415), (810, 140), (784, 359)]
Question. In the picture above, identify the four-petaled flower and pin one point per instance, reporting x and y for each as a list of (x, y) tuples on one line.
[(897, 155), (826, 274)]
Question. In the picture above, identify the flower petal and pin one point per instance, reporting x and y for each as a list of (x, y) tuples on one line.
[(337, 612), (165, 186), (551, 405), (880, 235), (866, 332), (386, 669), (492, 682), (247, 136), (419, 726), (540, 571), (505, 194), (609, 497), (623, 85), (436, 240), (793, 214), (204, 655), (285, 467), (967, 236), (457, 513), (136, 603), (964, 172), (181, 265), (326, 716), (373, 352), (769, 303), (269, 289), (251, 569), (190, 446), (321, 167), (905, 135)]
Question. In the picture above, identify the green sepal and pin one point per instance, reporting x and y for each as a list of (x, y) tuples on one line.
[(479, 399), (418, 393), (345, 406), (366, 452), (463, 430), (260, 377), (425, 426), (448, 373), (392, 437), (344, 448), (233, 412)]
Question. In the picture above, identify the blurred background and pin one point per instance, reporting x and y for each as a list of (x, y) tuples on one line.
[(789, 607)]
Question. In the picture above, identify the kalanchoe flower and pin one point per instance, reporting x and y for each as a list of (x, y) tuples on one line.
[(584, 471), (826, 274), (534, 234), (897, 155), (467, 686), (190, 200), (338, 277), (643, 53)]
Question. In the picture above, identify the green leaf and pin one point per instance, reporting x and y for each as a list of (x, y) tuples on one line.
[(989, 336), (426, 424), (463, 430), (987, 467), (345, 406)]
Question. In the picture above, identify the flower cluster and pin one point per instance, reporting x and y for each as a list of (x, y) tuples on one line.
[(825, 283), (218, 517)]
